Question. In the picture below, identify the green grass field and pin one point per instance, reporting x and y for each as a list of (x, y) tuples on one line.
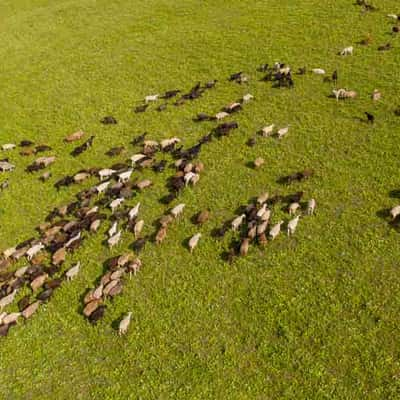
[(315, 316)]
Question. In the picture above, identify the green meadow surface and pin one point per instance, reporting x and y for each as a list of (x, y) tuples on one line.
[(315, 316)]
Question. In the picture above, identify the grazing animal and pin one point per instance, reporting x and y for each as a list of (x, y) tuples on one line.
[(5, 166), (140, 109), (203, 217), (161, 234), (138, 228), (34, 250), (263, 198), (258, 162), (30, 309), (395, 212), (292, 225), (370, 117), (125, 176), (177, 210), (275, 230), (238, 221), (113, 230), (335, 76), (247, 97), (385, 47), (11, 318), (114, 240), (194, 240), (109, 120), (268, 130), (91, 307), (145, 183), (347, 51), (221, 115), (170, 93), (97, 314), (311, 206), (293, 207), (116, 203), (318, 71), (133, 212), (244, 246), (74, 136), (210, 84), (73, 271), (124, 324), (136, 158), (6, 300), (8, 146), (150, 98), (376, 95), (282, 132), (344, 94)]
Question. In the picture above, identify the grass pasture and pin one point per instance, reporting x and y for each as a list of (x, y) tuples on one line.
[(315, 316)]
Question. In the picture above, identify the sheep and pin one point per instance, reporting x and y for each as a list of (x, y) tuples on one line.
[(91, 307), (5, 166), (95, 225), (188, 177), (344, 94), (73, 239), (116, 203), (311, 206), (275, 230), (202, 217), (177, 210), (169, 142), (114, 240), (221, 115), (133, 212), (347, 51), (266, 215), (113, 230), (73, 271), (282, 132), (293, 207), (59, 256), (124, 324), (244, 246), (2, 316), (102, 187), (161, 234), (106, 173), (6, 300), (9, 252), (8, 146), (258, 162), (30, 309), (45, 161), (262, 210), (268, 130), (144, 184), (34, 250), (292, 225), (136, 158), (125, 176), (395, 212), (74, 136), (194, 240), (318, 71), (376, 95), (11, 318), (150, 98), (261, 228), (238, 221), (38, 282), (247, 97), (138, 228)]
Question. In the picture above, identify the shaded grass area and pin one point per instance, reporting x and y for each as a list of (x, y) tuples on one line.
[(314, 316)]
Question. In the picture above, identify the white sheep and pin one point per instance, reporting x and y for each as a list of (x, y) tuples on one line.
[(168, 142), (34, 250), (133, 212), (347, 51), (8, 146), (311, 206), (275, 230), (102, 187), (125, 176), (247, 97), (136, 158), (116, 203), (151, 97), (318, 71), (73, 271), (6, 166), (268, 130), (113, 230), (238, 221), (221, 115), (282, 132), (395, 212), (293, 207), (292, 225), (138, 228), (114, 240), (177, 210), (73, 239), (262, 210), (188, 177), (194, 240), (106, 173), (9, 252), (124, 324)]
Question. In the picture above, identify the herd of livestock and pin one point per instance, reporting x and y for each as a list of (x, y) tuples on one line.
[(109, 201)]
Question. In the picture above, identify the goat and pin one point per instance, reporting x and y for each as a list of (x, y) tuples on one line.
[(275, 230), (282, 132), (113, 230), (311, 207), (138, 228), (177, 210), (292, 225), (114, 240), (318, 71), (116, 203), (8, 146), (238, 221), (109, 120), (194, 240), (347, 51), (395, 212), (124, 324), (267, 130), (150, 98), (125, 176), (133, 212), (74, 136), (161, 234)]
